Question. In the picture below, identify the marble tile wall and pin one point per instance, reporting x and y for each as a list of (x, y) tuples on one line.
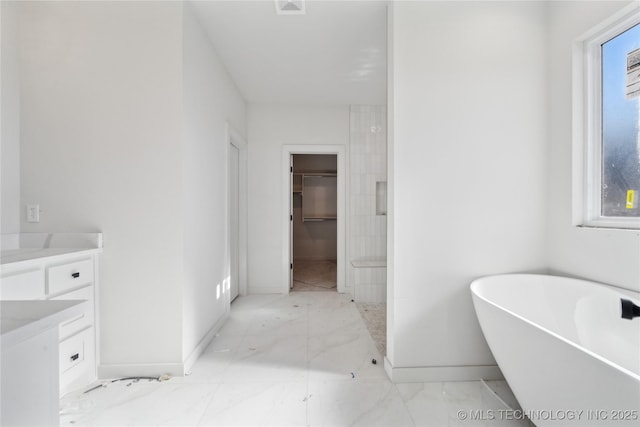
[(368, 230), (370, 284)]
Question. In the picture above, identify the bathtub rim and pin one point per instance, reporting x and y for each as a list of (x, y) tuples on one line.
[(475, 284)]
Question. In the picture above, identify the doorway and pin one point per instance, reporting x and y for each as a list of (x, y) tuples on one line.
[(237, 213), (314, 222), (338, 213), (234, 223)]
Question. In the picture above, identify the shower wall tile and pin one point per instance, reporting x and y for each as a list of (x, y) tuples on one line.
[(368, 231)]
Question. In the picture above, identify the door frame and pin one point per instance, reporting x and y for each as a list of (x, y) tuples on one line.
[(341, 220), (236, 139)]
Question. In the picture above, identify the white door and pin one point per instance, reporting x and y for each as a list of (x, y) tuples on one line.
[(234, 223)]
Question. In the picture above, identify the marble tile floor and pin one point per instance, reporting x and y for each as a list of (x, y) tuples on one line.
[(303, 359), (318, 276)]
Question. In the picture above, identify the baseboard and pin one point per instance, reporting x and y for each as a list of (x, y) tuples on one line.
[(204, 343), (140, 370), (426, 374), (262, 290), (157, 369)]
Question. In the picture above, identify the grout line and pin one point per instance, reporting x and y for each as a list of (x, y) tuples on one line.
[(496, 395), (206, 407)]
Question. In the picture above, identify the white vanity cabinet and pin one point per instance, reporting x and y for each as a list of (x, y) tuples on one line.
[(29, 345), (60, 274)]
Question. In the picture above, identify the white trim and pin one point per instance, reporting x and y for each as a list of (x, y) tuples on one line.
[(97, 322), (157, 369), (237, 140), (586, 129), (266, 290), (140, 370), (341, 152), (204, 343), (426, 374)]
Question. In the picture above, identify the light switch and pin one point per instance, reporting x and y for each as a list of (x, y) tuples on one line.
[(33, 213)]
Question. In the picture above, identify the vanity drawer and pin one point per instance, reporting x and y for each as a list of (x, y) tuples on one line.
[(82, 321), (24, 285), (67, 276), (77, 360), (72, 351)]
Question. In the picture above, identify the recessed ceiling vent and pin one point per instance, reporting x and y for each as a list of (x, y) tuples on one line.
[(290, 7)]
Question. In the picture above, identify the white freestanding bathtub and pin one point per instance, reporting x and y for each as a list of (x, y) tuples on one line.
[(563, 347)]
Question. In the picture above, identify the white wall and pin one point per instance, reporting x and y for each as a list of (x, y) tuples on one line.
[(468, 169), (210, 99), (101, 126), (10, 138), (124, 118), (269, 128), (608, 256)]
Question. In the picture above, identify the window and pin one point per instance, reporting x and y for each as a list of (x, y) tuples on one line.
[(612, 86), (620, 95)]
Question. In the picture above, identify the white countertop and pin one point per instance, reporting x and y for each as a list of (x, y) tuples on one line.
[(10, 256), (21, 320), (18, 248)]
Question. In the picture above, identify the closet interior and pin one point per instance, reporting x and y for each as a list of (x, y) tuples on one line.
[(314, 232)]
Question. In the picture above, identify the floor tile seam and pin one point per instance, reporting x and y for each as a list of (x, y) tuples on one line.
[(373, 405), (404, 404), (238, 364), (366, 379), (198, 382), (239, 334), (86, 418), (226, 335), (264, 381), (333, 334), (206, 407), (274, 381), (393, 389), (282, 335), (346, 377), (314, 318), (211, 401)]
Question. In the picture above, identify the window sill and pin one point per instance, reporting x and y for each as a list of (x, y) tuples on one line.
[(611, 226)]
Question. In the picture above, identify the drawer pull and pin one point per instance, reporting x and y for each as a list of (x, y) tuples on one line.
[(75, 357), (75, 275)]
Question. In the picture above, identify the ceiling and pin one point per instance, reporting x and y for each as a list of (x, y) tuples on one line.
[(334, 54)]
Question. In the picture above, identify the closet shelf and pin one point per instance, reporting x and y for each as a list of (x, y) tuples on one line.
[(319, 218), (318, 192), (315, 174)]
